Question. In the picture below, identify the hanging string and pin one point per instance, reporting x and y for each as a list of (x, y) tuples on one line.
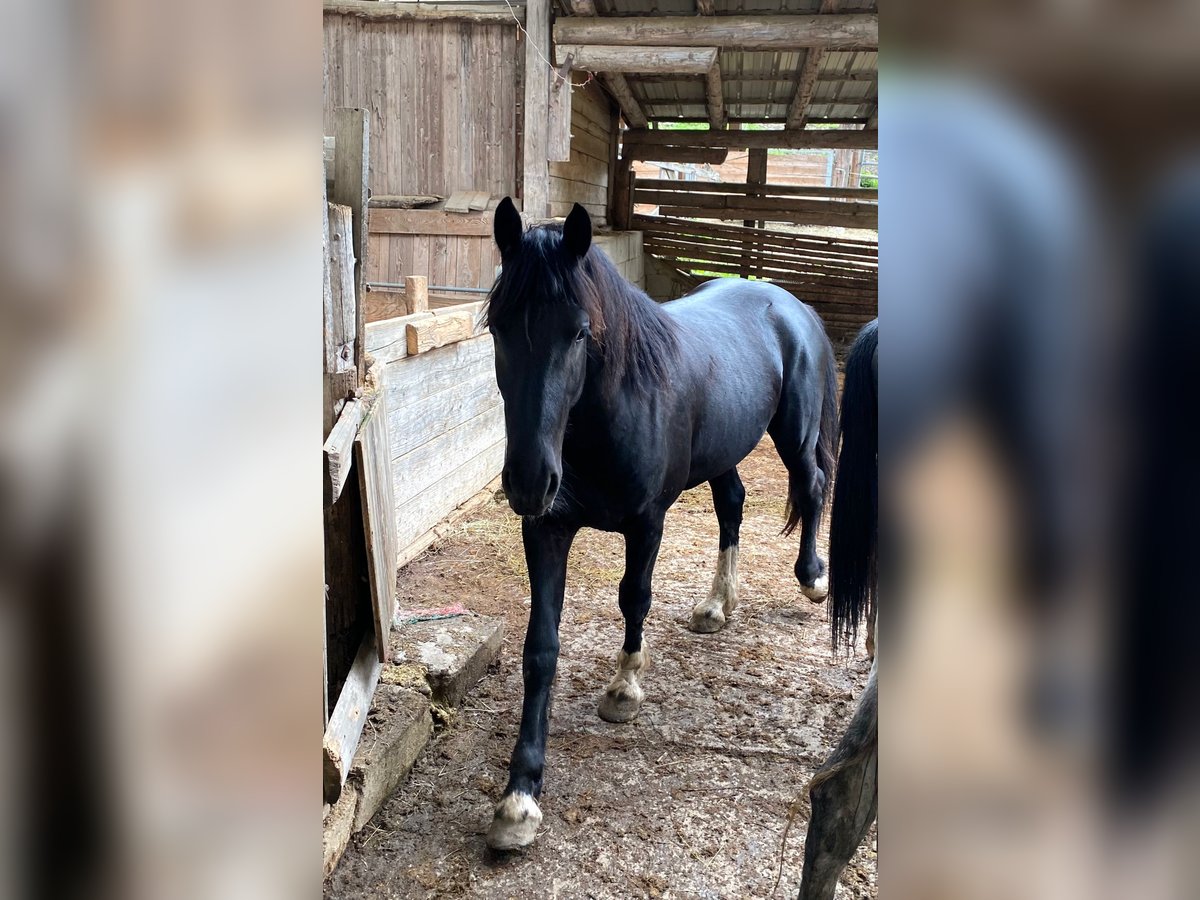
[(554, 70)]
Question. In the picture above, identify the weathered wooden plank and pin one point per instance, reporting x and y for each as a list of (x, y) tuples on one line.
[(479, 200), (710, 155), (442, 329), (459, 202), (429, 221), (384, 10), (536, 107), (866, 212), (639, 60), (403, 201), (425, 416), (714, 95), (805, 86), (387, 341), (558, 138), (849, 246), (351, 174), (349, 715), (745, 32), (416, 294), (379, 511), (339, 448), (426, 464), (757, 188), (804, 139), (632, 110), (422, 512)]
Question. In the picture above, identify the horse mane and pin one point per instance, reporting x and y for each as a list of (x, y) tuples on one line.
[(633, 336)]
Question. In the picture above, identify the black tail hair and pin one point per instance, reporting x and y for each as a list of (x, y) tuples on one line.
[(854, 522), (826, 445)]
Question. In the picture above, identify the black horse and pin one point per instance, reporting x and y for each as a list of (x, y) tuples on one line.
[(614, 405), (844, 791)]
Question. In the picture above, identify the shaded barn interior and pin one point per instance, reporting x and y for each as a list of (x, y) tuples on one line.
[(669, 120)]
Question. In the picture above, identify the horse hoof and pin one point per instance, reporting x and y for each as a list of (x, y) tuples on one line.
[(709, 621), (620, 708), (818, 590), (515, 823)]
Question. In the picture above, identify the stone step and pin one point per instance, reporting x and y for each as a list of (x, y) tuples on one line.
[(436, 661)]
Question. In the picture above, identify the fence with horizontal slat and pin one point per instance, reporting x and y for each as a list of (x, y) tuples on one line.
[(837, 276)]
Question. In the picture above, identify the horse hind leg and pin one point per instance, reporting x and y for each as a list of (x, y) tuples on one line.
[(806, 499), (729, 496)]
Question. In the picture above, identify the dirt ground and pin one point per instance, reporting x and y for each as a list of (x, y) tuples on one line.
[(692, 799)]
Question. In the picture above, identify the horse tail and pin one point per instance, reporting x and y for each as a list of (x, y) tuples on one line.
[(854, 529), (826, 449)]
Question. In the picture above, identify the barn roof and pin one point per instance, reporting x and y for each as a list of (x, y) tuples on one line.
[(782, 74)]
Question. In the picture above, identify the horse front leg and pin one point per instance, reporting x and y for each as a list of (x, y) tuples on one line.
[(623, 697), (517, 815)]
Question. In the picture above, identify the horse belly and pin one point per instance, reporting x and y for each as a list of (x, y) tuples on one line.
[(732, 422)]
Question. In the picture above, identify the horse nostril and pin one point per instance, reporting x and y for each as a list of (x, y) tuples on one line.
[(553, 489)]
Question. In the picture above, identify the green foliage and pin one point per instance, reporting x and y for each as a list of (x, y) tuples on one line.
[(868, 181)]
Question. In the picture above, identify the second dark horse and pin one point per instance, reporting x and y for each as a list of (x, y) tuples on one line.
[(614, 405)]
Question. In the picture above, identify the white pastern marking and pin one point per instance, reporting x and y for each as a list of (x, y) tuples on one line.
[(627, 683)]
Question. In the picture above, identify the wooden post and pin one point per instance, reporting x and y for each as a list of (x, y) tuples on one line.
[(756, 173), (416, 294), (351, 172), (622, 212), (537, 109)]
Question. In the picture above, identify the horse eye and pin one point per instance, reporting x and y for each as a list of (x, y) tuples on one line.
[(581, 335)]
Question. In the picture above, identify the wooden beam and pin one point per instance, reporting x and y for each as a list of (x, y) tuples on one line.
[(747, 32), (756, 174), (806, 139), (805, 87), (383, 10), (639, 60), (614, 82), (714, 93), (351, 165), (698, 155), (536, 168), (873, 121), (430, 221), (630, 108), (758, 187), (868, 212), (826, 217)]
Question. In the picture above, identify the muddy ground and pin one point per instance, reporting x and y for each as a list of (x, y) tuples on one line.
[(689, 801)]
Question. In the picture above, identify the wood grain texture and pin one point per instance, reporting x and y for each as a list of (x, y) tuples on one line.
[(416, 294), (386, 10), (379, 509), (339, 448), (430, 222), (714, 94), (640, 60), (351, 177), (710, 155), (806, 139), (438, 331), (536, 108), (344, 731), (757, 185), (745, 32)]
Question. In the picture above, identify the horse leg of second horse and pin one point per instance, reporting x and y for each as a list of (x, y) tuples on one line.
[(517, 815), (729, 496), (845, 800), (623, 697)]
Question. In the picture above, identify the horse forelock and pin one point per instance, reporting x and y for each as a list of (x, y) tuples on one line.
[(633, 336)]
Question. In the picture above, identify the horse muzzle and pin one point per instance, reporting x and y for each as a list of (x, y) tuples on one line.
[(530, 494)]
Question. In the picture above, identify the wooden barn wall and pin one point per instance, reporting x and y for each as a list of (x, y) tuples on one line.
[(584, 178), (445, 427), (442, 97)]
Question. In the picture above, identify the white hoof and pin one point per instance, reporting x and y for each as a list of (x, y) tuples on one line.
[(818, 590), (623, 697), (515, 823)]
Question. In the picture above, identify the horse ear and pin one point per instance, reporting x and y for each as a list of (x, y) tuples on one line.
[(577, 232), (507, 226)]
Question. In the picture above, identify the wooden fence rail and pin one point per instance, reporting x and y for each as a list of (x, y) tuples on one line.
[(838, 277)]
